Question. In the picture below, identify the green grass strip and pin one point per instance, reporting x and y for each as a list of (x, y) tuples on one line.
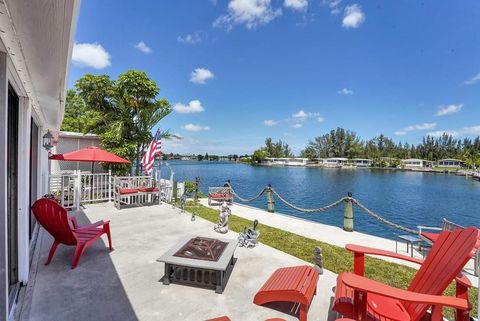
[(336, 259)]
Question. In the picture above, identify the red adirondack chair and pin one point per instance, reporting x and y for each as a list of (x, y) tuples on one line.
[(65, 229), (362, 299)]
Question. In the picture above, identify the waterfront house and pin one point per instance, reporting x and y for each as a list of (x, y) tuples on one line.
[(36, 42), (415, 163), (362, 162), (450, 163), (286, 161), (335, 162), (69, 142)]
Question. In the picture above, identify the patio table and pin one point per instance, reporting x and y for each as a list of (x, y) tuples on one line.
[(410, 240)]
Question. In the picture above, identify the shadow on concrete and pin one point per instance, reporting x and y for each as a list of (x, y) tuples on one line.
[(92, 291)]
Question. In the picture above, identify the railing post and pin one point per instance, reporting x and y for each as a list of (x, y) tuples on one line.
[(109, 185), (174, 192), (348, 214), (270, 200), (78, 186)]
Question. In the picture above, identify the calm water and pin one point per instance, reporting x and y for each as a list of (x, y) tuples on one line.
[(407, 198)]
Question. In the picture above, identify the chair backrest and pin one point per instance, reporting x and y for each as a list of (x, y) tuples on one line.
[(450, 226), (54, 219), (448, 256)]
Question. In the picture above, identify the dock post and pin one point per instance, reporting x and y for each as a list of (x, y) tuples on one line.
[(348, 214), (174, 192), (270, 201)]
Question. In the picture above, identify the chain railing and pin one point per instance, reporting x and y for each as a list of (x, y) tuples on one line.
[(347, 200)]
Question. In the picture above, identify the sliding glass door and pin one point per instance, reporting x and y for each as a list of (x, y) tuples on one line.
[(12, 190)]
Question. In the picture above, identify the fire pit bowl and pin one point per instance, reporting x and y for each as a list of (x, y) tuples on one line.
[(200, 261), (202, 248)]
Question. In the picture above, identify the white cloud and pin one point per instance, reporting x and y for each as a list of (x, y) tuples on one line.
[(448, 109), (296, 4), (472, 80), (201, 75), (270, 122), (353, 16), (301, 115), (195, 128), (465, 131), (190, 39), (345, 91), (297, 125), (424, 126), (142, 46), (90, 55), (250, 13), (320, 119), (193, 106), (334, 6)]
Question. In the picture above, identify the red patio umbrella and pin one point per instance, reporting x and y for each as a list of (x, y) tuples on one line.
[(90, 154)]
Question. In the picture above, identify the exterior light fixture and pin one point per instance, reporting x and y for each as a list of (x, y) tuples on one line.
[(47, 141)]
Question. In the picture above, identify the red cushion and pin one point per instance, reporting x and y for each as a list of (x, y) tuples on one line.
[(148, 189), (220, 195), (224, 318), (127, 191)]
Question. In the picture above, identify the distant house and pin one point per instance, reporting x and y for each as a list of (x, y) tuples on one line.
[(362, 162), (69, 142), (417, 163), (335, 162), (286, 161), (450, 162)]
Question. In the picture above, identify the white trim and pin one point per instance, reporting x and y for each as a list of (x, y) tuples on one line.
[(23, 212)]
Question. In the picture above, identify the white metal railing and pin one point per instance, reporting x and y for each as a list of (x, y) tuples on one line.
[(95, 187), (81, 188)]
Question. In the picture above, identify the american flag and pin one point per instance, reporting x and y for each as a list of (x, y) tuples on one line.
[(154, 150)]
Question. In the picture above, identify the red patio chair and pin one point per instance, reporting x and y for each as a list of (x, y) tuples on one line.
[(65, 229), (360, 298)]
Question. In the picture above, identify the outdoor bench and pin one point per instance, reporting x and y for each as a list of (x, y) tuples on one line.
[(135, 190)]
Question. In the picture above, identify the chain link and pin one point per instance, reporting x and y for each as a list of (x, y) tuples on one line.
[(308, 210), (383, 220), (246, 200), (325, 208)]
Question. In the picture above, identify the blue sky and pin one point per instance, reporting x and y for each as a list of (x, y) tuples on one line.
[(238, 71)]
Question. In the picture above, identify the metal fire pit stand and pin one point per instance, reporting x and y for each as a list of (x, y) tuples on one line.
[(212, 275)]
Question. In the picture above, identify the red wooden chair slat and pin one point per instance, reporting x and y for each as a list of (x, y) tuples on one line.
[(56, 221), (448, 256), (296, 284)]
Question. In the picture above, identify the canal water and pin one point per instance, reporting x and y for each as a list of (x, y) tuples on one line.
[(406, 198)]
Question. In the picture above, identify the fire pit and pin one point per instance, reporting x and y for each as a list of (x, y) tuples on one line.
[(202, 248), (200, 261)]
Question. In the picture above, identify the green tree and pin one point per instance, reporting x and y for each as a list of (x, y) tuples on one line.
[(77, 115), (124, 111), (259, 156)]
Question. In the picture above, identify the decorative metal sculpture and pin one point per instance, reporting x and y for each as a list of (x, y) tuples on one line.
[(183, 202), (318, 260), (222, 225), (249, 237)]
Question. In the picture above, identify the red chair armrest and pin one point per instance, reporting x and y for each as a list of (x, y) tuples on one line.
[(463, 280), (96, 224), (372, 251), (363, 284), (74, 221)]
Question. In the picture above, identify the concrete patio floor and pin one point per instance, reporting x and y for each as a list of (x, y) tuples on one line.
[(124, 284)]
